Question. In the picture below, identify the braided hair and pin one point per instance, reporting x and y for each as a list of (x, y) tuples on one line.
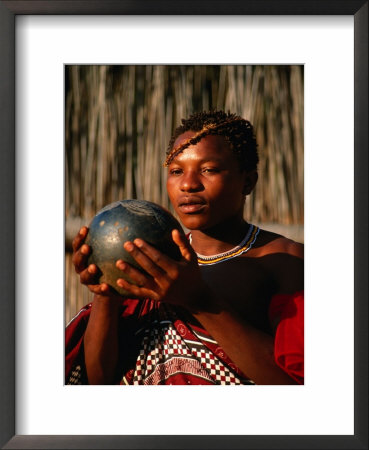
[(237, 131)]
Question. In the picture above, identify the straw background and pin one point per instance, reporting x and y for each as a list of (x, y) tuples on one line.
[(119, 120)]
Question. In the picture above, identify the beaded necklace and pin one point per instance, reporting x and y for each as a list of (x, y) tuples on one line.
[(243, 247)]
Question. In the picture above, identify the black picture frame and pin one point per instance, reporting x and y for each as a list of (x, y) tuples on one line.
[(8, 11)]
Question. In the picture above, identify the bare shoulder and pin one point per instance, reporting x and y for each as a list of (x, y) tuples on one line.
[(283, 258), (272, 243), (289, 246)]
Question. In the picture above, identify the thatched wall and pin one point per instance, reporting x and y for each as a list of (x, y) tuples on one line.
[(119, 120)]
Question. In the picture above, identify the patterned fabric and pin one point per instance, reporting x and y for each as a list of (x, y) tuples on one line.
[(76, 375), (171, 349), (166, 347)]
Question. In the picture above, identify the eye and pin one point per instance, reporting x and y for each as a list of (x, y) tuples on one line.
[(210, 170), (175, 171)]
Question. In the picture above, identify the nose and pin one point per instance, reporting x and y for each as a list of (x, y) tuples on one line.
[(190, 182)]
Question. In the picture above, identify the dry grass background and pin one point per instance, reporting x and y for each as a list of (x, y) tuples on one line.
[(119, 119)]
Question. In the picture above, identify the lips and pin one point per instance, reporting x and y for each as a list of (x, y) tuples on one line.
[(191, 205)]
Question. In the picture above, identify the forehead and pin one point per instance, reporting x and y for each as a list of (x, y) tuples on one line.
[(209, 145)]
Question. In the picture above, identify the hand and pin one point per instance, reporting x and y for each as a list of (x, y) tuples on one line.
[(177, 282), (88, 274)]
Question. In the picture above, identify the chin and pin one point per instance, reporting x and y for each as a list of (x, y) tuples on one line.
[(194, 222)]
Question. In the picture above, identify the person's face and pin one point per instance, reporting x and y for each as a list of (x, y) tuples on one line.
[(205, 183)]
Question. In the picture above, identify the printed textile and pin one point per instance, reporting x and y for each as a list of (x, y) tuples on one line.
[(159, 344)]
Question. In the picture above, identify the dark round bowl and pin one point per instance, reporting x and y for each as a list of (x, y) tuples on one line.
[(123, 221)]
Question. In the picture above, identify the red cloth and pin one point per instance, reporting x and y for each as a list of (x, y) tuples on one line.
[(159, 344), (74, 333), (286, 313)]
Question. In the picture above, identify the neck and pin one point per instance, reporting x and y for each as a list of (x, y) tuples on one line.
[(220, 238)]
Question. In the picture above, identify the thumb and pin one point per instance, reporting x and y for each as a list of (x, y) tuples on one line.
[(184, 246)]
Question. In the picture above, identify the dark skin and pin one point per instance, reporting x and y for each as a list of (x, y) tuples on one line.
[(207, 189)]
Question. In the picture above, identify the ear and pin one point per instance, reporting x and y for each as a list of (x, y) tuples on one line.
[(250, 181)]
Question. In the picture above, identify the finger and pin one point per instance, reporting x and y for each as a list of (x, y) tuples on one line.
[(150, 264), (136, 291), (134, 274), (184, 246), (90, 275), (80, 257), (79, 239), (101, 289), (167, 264)]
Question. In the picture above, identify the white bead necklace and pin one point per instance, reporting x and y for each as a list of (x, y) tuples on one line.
[(243, 247)]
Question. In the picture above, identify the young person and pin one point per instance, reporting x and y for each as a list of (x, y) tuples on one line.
[(229, 312)]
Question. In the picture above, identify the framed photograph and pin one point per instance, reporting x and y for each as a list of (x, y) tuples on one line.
[(37, 41)]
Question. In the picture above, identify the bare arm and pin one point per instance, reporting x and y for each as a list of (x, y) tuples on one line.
[(250, 349), (101, 341), (101, 336)]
